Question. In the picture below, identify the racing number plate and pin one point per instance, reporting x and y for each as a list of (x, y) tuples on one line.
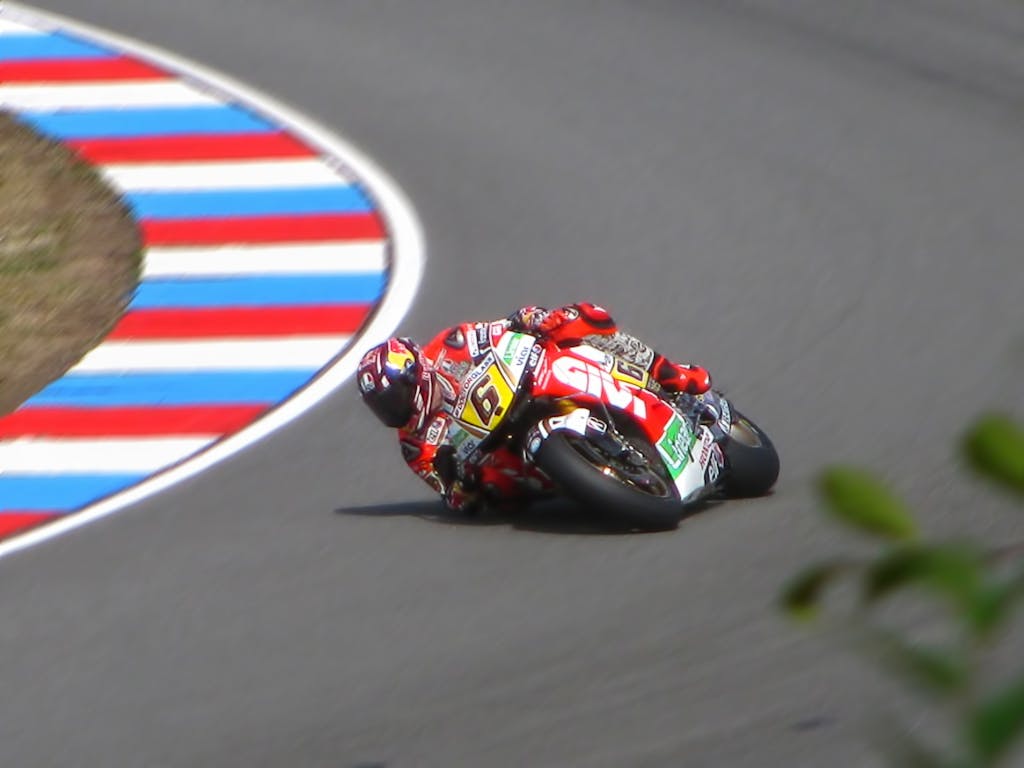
[(487, 399)]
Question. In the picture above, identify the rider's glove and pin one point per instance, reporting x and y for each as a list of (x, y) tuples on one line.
[(545, 322), (542, 321), (529, 319), (463, 483), (461, 498), (677, 377)]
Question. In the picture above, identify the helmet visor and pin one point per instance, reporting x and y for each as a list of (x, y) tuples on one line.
[(393, 404)]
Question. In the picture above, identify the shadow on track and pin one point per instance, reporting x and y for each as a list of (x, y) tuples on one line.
[(556, 516)]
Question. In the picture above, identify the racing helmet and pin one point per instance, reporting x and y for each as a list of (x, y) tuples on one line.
[(390, 380)]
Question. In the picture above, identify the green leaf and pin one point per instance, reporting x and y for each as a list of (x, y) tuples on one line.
[(991, 607), (800, 598), (996, 600), (994, 446), (952, 571), (862, 502), (934, 670), (997, 723)]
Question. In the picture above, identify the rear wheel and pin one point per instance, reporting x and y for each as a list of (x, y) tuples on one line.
[(615, 487), (752, 459)]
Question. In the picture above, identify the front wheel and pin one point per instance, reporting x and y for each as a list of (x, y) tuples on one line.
[(625, 490), (752, 459)]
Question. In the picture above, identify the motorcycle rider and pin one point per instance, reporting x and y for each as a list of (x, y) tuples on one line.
[(413, 389)]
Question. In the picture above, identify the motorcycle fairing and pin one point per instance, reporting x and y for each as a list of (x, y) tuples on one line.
[(490, 386), (588, 380)]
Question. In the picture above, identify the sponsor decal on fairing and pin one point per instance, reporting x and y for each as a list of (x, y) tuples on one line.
[(675, 444), (473, 345), (535, 356), (715, 463), (597, 382)]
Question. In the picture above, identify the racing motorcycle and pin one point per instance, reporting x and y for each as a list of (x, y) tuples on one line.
[(599, 430)]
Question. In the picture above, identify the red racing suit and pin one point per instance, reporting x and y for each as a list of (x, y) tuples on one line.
[(453, 353)]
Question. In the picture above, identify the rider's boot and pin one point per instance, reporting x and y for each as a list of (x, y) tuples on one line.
[(679, 377)]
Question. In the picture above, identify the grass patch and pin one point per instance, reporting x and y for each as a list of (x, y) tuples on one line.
[(69, 261)]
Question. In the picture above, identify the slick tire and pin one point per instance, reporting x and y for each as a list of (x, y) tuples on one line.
[(580, 478), (751, 458)]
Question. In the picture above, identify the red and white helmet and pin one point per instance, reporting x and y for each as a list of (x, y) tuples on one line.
[(392, 382)]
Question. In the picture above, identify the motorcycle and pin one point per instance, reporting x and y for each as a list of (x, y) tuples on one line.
[(598, 429)]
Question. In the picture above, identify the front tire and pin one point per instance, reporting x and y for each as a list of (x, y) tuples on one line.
[(752, 459), (636, 495)]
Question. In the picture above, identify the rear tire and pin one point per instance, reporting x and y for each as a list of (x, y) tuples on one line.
[(567, 459), (752, 459)]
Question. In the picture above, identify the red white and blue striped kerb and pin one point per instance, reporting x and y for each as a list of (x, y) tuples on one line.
[(264, 258)]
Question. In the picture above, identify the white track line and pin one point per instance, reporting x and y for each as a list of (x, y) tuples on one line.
[(407, 252), (223, 176), (294, 353), (33, 456), (340, 258), (155, 93), (8, 27)]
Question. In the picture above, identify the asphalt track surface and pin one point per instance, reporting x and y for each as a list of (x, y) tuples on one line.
[(820, 201)]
